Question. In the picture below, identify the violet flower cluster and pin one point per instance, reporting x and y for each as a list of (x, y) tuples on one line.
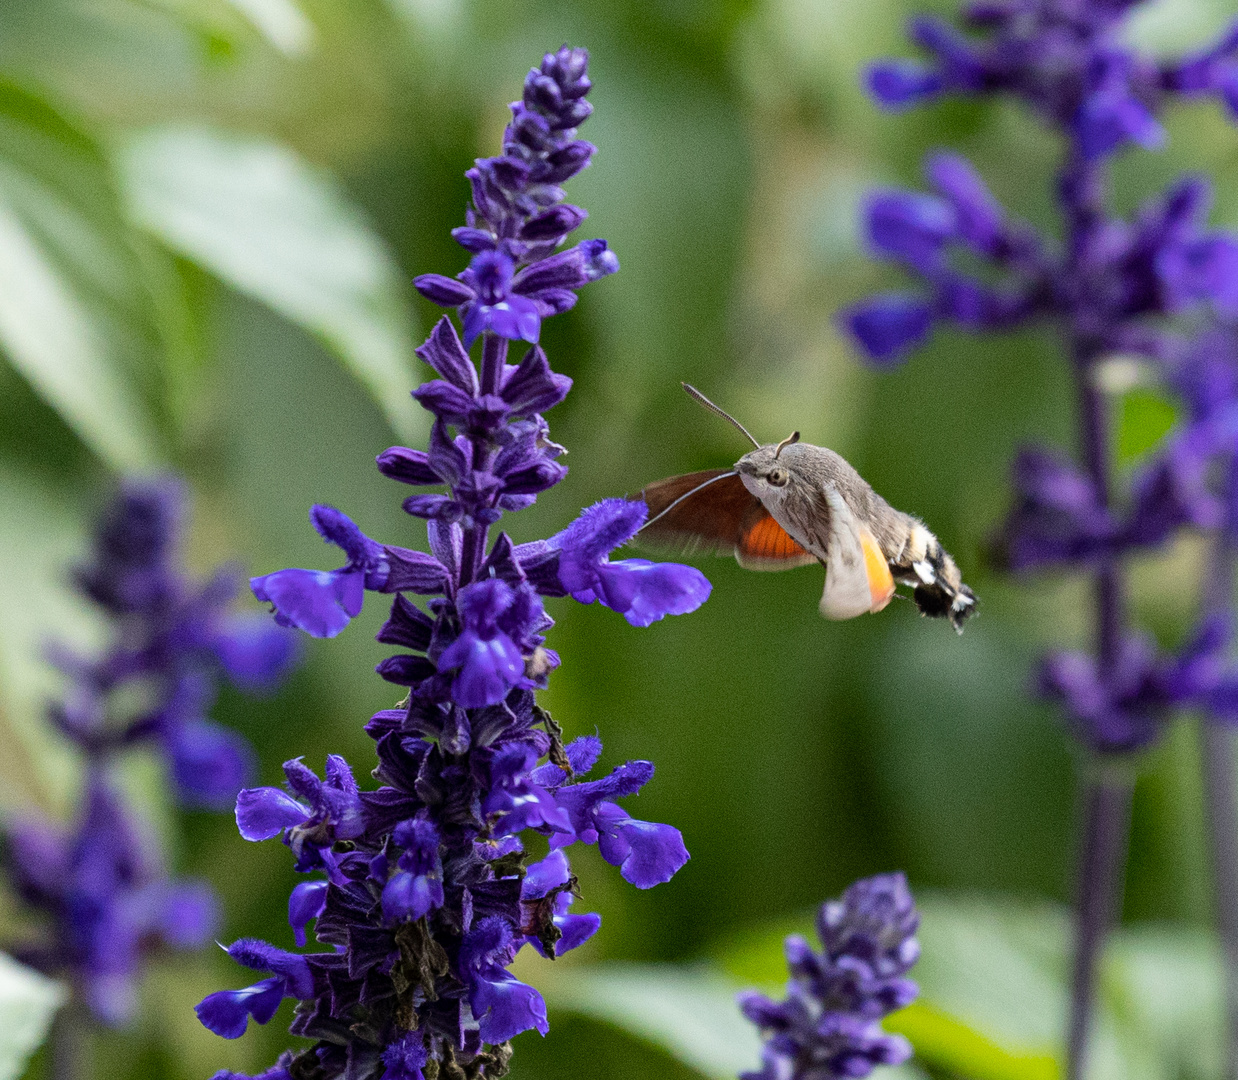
[(425, 888), (1157, 288), (829, 1025), (1140, 287), (97, 889)]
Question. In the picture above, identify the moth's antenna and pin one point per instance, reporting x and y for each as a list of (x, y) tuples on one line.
[(693, 392), (687, 494), (790, 440)]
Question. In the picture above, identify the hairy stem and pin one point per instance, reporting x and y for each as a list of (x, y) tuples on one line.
[(493, 358), (1220, 803), (1105, 816), (69, 1044), (1106, 796)]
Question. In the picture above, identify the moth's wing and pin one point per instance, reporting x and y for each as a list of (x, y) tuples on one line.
[(857, 575), (765, 545), (713, 511), (701, 511)]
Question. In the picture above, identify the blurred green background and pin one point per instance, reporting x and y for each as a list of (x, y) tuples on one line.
[(210, 212)]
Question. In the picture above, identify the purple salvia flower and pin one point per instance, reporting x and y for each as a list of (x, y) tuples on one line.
[(1140, 286), (829, 1025), (422, 890), (99, 884)]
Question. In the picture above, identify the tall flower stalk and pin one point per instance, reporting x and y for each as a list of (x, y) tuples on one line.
[(425, 888), (1149, 287), (829, 1024), (97, 894)]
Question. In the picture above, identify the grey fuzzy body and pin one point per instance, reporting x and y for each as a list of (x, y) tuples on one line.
[(800, 504)]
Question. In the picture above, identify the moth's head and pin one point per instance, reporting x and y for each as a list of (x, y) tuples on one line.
[(769, 469)]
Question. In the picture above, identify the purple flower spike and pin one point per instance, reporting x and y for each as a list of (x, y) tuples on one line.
[(425, 887), (100, 898), (829, 1025)]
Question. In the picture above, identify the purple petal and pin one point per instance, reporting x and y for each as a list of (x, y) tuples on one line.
[(900, 84), (1108, 118), (505, 1007), (262, 813), (227, 1012), (644, 592), (210, 763), (488, 668), (407, 466), (575, 930), (548, 873), (262, 956), (888, 326), (532, 387), (320, 602), (254, 654), (516, 318), (410, 896), (646, 853), (305, 902)]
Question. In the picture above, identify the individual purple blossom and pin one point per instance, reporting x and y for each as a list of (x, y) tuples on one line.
[(425, 887), (829, 1024)]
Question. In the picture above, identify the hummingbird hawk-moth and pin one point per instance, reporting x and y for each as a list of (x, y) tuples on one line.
[(791, 504)]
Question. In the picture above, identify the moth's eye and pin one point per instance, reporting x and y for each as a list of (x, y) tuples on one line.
[(777, 477)]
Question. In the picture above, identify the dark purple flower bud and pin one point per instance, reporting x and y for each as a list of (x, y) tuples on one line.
[(444, 353), (553, 224), (407, 466), (531, 387), (888, 326), (900, 84), (474, 240), (444, 291)]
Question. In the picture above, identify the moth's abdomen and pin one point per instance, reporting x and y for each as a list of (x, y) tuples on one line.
[(939, 590)]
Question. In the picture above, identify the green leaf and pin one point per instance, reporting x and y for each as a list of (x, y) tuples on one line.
[(281, 22), (70, 297), (41, 534), (28, 1001), (275, 228), (1144, 419)]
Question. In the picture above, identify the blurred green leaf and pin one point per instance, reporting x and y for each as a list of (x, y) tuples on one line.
[(1145, 418), (67, 281), (40, 537), (281, 22), (28, 1001), (275, 228)]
